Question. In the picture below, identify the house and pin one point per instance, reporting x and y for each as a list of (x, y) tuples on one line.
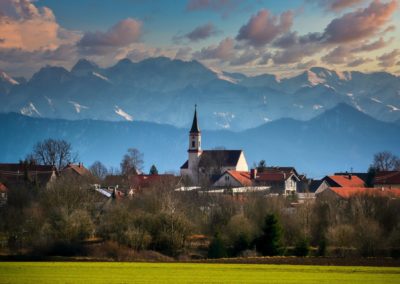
[(206, 164), (387, 179), (276, 181), (348, 180), (77, 170), (17, 174), (3, 195), (343, 193), (281, 182)]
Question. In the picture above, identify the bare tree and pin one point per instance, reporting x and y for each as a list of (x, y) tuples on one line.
[(53, 152), (98, 170), (132, 162), (386, 161)]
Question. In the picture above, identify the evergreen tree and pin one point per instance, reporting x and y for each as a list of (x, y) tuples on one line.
[(269, 243), (217, 248), (302, 248), (153, 170)]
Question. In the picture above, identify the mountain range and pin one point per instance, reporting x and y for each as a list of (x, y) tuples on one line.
[(339, 139), (162, 90)]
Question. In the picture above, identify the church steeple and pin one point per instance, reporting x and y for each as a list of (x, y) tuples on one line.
[(195, 135), (195, 125)]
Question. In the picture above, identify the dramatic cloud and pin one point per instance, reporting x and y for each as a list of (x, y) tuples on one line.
[(120, 35), (26, 27), (371, 46), (220, 6), (360, 24), (223, 51), (389, 59), (339, 55), (263, 28), (337, 5), (295, 53), (199, 33), (358, 62), (307, 64)]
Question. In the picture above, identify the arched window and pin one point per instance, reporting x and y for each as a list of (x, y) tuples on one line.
[(193, 144)]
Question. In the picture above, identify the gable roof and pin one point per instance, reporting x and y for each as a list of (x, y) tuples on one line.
[(78, 169), (3, 188), (387, 177), (286, 170), (243, 178), (274, 176), (222, 158), (15, 173), (185, 165), (347, 192), (344, 181), (314, 185)]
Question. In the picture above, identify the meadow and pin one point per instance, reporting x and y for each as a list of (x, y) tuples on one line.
[(127, 272)]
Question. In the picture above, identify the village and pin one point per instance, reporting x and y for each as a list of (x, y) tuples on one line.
[(218, 171), (218, 206)]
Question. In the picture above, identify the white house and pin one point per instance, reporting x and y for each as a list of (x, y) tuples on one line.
[(206, 163)]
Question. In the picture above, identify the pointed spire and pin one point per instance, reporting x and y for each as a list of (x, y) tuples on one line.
[(195, 126)]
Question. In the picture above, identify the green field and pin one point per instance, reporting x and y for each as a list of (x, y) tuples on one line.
[(125, 272)]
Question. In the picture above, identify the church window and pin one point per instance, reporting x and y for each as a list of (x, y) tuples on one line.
[(193, 144)]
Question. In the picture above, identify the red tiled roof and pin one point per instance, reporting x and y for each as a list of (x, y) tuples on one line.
[(79, 169), (387, 177), (3, 188), (346, 192), (270, 176), (346, 181), (242, 177), (147, 180)]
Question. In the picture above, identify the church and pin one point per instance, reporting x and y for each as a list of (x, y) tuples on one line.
[(204, 165)]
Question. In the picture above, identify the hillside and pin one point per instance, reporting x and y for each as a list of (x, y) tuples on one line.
[(339, 139)]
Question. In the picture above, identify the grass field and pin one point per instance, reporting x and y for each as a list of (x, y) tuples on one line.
[(125, 272)]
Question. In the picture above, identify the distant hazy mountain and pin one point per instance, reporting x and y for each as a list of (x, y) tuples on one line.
[(337, 140), (164, 91)]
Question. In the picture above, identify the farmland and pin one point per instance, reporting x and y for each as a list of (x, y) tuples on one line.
[(125, 272)]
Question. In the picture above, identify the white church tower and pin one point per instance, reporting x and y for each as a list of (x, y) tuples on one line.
[(194, 146)]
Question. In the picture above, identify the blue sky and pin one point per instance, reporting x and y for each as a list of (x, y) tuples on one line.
[(262, 36)]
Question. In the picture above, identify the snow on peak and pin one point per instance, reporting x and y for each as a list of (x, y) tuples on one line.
[(346, 76), (122, 113), (30, 110), (223, 76), (317, 107), (314, 79), (78, 107), (393, 108), (100, 76), (376, 100), (7, 78)]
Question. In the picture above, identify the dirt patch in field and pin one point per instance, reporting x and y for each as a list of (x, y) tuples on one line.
[(388, 262)]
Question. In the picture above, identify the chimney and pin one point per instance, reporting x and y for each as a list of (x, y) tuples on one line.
[(253, 173), (349, 176)]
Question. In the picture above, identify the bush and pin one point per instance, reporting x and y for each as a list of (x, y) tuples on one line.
[(302, 248), (217, 248)]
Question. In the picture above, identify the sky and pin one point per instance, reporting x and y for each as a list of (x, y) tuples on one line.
[(251, 37)]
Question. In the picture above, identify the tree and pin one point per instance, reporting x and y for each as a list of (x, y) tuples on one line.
[(302, 247), (262, 165), (153, 170), (269, 242), (53, 152), (386, 161), (217, 247), (98, 170), (132, 162)]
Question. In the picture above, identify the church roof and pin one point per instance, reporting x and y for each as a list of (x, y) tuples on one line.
[(185, 165), (219, 158), (195, 125)]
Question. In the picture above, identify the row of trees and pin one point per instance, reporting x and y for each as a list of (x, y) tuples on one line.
[(60, 219)]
